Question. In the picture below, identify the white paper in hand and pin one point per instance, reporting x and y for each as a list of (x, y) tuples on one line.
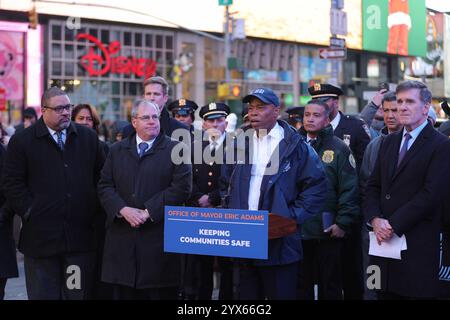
[(388, 249)]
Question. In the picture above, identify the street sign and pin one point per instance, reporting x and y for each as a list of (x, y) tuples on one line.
[(337, 4), (333, 53), (337, 42), (338, 22), (225, 2)]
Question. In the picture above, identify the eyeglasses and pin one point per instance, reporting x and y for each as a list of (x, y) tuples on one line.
[(60, 109), (147, 117)]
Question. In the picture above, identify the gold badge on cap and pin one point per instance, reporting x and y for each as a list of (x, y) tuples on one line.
[(182, 102), (212, 106), (317, 87), (328, 156)]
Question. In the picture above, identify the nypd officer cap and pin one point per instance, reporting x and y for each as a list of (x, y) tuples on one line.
[(214, 110), (320, 91), (296, 113), (182, 107)]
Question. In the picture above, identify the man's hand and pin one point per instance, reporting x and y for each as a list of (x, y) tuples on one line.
[(336, 232), (378, 97), (383, 230), (134, 216), (204, 201)]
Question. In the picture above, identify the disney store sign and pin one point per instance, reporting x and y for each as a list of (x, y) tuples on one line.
[(109, 62)]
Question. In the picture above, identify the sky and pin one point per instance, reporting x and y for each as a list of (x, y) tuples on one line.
[(439, 5)]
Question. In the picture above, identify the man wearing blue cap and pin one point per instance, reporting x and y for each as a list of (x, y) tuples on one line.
[(283, 175)]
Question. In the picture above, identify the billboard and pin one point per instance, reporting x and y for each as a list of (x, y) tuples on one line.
[(302, 21), (395, 26)]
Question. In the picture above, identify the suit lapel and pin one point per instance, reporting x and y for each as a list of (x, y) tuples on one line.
[(131, 146), (392, 153)]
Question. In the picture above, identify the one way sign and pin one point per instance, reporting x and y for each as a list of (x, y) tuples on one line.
[(333, 53)]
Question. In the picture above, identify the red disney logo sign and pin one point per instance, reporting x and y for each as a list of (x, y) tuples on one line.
[(120, 64)]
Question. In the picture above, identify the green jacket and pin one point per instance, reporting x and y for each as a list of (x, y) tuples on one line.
[(342, 185)]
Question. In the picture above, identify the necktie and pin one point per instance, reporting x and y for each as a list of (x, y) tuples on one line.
[(142, 147), (404, 149), (60, 140), (213, 148), (312, 142)]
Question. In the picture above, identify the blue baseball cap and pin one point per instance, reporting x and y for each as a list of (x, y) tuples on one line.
[(266, 95)]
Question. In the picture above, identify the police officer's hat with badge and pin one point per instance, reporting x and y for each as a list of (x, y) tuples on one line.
[(324, 91), (182, 107), (214, 110)]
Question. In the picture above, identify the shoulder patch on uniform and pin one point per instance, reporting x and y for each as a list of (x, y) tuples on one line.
[(346, 138), (328, 156), (366, 129), (352, 161)]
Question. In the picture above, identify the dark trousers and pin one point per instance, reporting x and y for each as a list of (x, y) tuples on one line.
[(128, 293), (54, 278), (198, 277), (272, 283), (352, 264), (321, 264), (226, 278), (2, 287)]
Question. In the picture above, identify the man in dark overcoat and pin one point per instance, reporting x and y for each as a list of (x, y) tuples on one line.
[(140, 178), (50, 175), (403, 195)]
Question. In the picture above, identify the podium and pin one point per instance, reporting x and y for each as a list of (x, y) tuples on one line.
[(280, 226)]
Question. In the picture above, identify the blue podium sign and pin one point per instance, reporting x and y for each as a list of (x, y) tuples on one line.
[(216, 232)]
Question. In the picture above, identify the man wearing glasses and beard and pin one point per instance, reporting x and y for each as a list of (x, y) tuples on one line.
[(49, 179)]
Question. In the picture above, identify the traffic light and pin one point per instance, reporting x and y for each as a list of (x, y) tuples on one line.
[(229, 91), (33, 18), (235, 90)]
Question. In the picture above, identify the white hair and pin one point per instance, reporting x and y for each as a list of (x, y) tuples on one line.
[(139, 102)]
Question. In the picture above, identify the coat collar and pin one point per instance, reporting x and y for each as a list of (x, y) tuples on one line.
[(130, 144), (42, 130)]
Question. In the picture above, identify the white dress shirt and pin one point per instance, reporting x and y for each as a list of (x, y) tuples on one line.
[(335, 122), (414, 134), (263, 149)]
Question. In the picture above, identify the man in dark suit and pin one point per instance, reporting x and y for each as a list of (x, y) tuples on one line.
[(49, 179), (156, 90), (403, 195), (139, 178), (355, 133)]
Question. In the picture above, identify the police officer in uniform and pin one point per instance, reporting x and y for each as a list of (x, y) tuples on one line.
[(183, 111), (323, 234), (295, 116), (355, 133), (206, 191)]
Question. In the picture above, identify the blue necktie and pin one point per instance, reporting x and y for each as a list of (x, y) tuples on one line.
[(60, 140), (142, 147), (404, 149)]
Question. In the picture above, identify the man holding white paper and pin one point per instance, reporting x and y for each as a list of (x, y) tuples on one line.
[(403, 196)]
